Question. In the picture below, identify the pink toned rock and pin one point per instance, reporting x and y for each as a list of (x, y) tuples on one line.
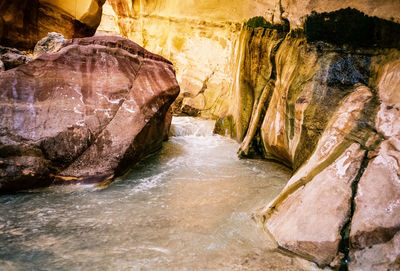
[(83, 114), (376, 218), (380, 257), (308, 222)]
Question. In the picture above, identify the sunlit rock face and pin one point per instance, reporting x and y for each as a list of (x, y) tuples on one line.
[(312, 85), (109, 21), (82, 114), (375, 226), (331, 114), (202, 39), (23, 22)]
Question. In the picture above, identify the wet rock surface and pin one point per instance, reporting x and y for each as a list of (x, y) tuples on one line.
[(349, 100), (83, 114), (184, 32)]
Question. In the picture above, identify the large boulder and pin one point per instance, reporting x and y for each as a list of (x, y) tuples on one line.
[(83, 114), (375, 227)]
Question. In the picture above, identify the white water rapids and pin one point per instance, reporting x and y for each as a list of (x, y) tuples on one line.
[(186, 208)]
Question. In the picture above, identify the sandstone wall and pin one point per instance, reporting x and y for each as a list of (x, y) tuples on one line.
[(185, 32), (23, 22), (320, 99)]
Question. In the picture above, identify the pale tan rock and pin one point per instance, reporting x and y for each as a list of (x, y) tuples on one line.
[(184, 32), (109, 23), (309, 221), (377, 215), (292, 61), (308, 215), (200, 38), (380, 257), (330, 146)]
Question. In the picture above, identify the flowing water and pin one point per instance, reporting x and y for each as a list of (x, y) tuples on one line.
[(186, 208)]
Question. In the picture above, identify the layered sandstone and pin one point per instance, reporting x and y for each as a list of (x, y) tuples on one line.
[(332, 117), (203, 38), (82, 114), (320, 99), (24, 22)]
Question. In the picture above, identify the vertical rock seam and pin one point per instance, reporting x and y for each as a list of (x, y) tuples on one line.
[(344, 245)]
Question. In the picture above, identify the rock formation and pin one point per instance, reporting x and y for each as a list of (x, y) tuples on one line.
[(11, 58), (24, 22), (50, 44), (329, 112), (83, 114), (311, 84), (184, 32)]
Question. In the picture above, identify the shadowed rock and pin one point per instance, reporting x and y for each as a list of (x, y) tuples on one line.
[(12, 58), (24, 22)]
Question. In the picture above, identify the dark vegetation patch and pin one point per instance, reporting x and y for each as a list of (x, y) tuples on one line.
[(352, 27), (260, 21)]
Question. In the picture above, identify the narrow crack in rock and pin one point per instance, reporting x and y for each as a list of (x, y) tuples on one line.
[(344, 244)]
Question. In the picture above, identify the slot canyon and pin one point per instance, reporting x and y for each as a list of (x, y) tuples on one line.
[(208, 135)]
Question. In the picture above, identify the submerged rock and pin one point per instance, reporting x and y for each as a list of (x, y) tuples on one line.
[(83, 114)]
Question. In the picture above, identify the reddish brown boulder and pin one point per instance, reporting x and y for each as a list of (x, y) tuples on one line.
[(85, 113)]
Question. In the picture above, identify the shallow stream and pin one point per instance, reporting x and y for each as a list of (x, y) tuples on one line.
[(186, 208)]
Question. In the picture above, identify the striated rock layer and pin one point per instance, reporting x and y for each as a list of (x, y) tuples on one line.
[(203, 38), (330, 113), (24, 22), (83, 114), (320, 98)]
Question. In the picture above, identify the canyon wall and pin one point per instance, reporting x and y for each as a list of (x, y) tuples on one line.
[(311, 84), (185, 32), (24, 22)]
